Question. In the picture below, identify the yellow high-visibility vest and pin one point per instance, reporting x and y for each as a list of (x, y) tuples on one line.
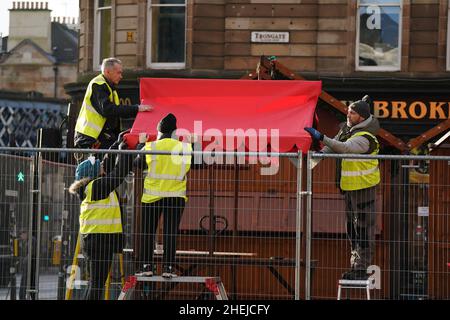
[(102, 216), (89, 121), (166, 174), (357, 174)]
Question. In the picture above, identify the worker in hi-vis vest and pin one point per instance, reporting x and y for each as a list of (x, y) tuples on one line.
[(98, 123), (100, 218), (164, 192), (357, 179)]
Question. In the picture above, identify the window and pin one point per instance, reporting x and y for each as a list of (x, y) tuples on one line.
[(448, 37), (378, 46), (166, 42), (102, 32)]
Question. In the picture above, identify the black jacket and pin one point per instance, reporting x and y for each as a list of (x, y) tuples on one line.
[(104, 185), (101, 103)]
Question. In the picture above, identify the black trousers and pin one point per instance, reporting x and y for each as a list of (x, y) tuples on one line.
[(361, 224), (99, 250), (23, 279), (172, 209)]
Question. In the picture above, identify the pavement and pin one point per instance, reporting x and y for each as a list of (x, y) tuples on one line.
[(48, 288)]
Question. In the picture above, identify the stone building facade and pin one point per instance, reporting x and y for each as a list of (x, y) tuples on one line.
[(396, 51), (322, 34), (39, 55)]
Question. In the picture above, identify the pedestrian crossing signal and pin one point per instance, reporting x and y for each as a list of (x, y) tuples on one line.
[(20, 177)]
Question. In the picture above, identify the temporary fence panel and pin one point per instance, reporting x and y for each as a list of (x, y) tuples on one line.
[(239, 224), (15, 199), (438, 233), (410, 229)]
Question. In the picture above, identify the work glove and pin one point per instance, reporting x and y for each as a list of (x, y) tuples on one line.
[(142, 137), (316, 135)]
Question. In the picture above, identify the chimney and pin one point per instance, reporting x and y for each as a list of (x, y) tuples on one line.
[(27, 21)]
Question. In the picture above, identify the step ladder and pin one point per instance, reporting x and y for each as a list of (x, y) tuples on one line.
[(355, 284), (213, 284)]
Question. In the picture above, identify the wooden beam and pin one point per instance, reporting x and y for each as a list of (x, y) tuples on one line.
[(266, 68), (428, 135)]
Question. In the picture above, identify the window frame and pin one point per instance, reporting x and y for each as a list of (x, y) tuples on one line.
[(148, 49), (448, 38), (379, 68), (96, 61)]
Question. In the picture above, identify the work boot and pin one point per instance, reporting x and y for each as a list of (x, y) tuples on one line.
[(147, 271), (355, 274), (169, 272)]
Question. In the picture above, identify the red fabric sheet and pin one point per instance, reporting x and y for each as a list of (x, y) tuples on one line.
[(214, 109)]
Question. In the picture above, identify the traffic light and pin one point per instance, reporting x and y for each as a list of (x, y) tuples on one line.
[(46, 217), (20, 177)]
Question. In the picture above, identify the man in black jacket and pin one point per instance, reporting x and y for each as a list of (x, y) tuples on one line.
[(100, 215), (98, 123)]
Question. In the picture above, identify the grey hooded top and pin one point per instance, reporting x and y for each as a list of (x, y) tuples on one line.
[(359, 144)]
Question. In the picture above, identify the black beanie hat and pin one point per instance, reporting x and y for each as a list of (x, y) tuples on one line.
[(168, 124), (362, 107)]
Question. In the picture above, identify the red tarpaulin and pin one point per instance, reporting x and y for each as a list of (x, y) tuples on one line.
[(223, 112)]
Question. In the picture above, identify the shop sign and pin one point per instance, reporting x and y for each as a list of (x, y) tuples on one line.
[(410, 110)]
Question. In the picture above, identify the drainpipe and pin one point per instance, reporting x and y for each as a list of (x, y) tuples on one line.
[(55, 70)]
